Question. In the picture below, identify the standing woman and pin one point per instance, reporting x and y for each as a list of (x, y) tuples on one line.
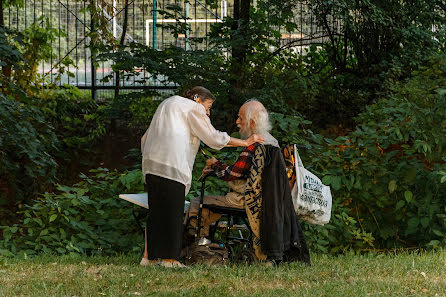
[(169, 147)]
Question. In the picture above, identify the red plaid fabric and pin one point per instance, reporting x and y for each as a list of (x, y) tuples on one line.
[(240, 169)]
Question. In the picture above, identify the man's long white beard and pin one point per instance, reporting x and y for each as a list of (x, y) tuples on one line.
[(245, 132)]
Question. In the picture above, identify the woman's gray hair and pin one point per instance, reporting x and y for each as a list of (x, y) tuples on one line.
[(199, 92), (256, 112)]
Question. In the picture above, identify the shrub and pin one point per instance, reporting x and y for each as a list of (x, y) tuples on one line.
[(44, 127), (26, 167), (44, 140), (79, 125), (135, 110), (389, 172), (87, 217)]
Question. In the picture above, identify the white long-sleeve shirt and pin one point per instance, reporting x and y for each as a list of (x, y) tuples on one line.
[(171, 142)]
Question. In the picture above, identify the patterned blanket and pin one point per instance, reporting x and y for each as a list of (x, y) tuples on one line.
[(253, 198)]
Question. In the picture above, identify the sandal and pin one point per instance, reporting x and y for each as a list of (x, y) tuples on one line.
[(171, 263), (147, 262)]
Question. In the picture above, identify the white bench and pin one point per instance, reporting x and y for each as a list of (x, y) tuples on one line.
[(138, 199), (142, 200)]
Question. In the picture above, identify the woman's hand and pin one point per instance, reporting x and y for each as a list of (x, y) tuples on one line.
[(247, 142), (254, 138)]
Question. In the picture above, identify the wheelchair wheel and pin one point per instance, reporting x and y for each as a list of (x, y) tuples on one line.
[(245, 256)]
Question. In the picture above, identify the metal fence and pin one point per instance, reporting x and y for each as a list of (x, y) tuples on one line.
[(73, 17)]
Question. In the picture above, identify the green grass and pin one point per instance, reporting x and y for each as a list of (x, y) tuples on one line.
[(350, 275)]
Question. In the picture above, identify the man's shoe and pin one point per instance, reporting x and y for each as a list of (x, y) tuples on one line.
[(204, 241)]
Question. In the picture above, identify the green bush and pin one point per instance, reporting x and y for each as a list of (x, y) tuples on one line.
[(43, 139), (86, 218), (75, 117), (134, 110), (41, 127), (26, 138), (388, 175), (389, 172), (80, 127)]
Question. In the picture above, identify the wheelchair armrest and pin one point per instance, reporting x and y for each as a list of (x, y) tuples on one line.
[(203, 184), (200, 208)]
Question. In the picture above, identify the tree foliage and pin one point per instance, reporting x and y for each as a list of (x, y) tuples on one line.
[(41, 127)]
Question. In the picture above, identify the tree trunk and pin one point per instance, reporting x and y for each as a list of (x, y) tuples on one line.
[(2, 22), (6, 69), (4, 182), (122, 41), (111, 137), (239, 36)]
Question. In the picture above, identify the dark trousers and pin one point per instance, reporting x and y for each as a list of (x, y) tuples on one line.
[(165, 219)]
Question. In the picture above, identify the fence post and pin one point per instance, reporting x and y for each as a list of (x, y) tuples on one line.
[(94, 95), (187, 27), (154, 24)]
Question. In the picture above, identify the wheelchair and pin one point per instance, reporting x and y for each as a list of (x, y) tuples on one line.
[(232, 230)]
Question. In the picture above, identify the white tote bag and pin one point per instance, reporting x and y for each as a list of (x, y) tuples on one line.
[(311, 199)]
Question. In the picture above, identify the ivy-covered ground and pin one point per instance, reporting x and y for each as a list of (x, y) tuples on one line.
[(403, 274)]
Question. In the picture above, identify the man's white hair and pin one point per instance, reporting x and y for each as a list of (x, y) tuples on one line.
[(256, 112)]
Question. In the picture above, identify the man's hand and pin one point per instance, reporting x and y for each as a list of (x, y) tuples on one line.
[(255, 138), (207, 168), (210, 161)]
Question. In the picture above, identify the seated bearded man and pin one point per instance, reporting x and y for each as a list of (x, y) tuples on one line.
[(285, 241)]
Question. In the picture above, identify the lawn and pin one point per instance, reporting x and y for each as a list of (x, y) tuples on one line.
[(404, 274)]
